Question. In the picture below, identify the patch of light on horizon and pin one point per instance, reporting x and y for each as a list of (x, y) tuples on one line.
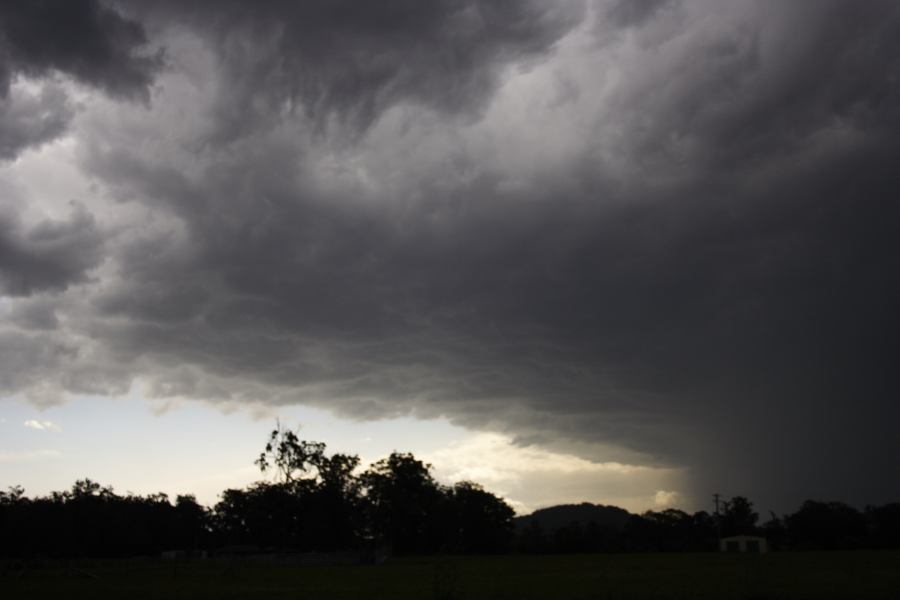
[(666, 499), (532, 477)]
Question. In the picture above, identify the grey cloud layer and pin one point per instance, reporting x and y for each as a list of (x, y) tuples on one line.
[(32, 119), (340, 58), (651, 236), (82, 39), (49, 256)]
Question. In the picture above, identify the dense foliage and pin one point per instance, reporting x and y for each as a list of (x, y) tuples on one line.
[(91, 520), (316, 503)]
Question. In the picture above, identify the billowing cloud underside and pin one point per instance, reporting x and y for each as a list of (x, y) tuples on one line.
[(658, 231)]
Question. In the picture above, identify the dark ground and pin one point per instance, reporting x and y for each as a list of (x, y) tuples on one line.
[(857, 575)]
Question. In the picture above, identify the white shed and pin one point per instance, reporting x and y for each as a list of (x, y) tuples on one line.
[(750, 544)]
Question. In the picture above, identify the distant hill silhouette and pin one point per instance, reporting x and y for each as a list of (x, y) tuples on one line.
[(553, 518)]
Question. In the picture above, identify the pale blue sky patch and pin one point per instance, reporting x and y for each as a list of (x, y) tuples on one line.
[(190, 448)]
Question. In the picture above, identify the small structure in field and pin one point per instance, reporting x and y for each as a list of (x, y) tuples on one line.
[(750, 544)]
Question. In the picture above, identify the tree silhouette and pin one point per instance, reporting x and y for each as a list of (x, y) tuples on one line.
[(289, 455), (321, 502), (885, 524), (827, 525), (738, 517), (313, 505), (483, 522), (403, 502)]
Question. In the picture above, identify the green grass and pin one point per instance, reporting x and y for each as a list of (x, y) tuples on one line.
[(819, 575)]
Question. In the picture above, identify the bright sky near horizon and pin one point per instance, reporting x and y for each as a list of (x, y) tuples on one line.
[(192, 448)]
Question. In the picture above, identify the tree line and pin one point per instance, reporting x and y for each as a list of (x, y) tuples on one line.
[(814, 526), (317, 502), (320, 502)]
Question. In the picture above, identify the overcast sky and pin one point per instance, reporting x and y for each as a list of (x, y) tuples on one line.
[(622, 251)]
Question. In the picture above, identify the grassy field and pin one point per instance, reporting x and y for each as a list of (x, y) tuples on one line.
[(856, 575)]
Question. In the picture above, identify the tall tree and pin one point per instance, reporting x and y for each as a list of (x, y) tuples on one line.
[(290, 456), (403, 503), (483, 522), (738, 517)]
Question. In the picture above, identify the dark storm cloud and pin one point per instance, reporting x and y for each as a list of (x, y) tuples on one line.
[(37, 315), (48, 256), (81, 38), (342, 58), (627, 13), (736, 319), (708, 280)]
